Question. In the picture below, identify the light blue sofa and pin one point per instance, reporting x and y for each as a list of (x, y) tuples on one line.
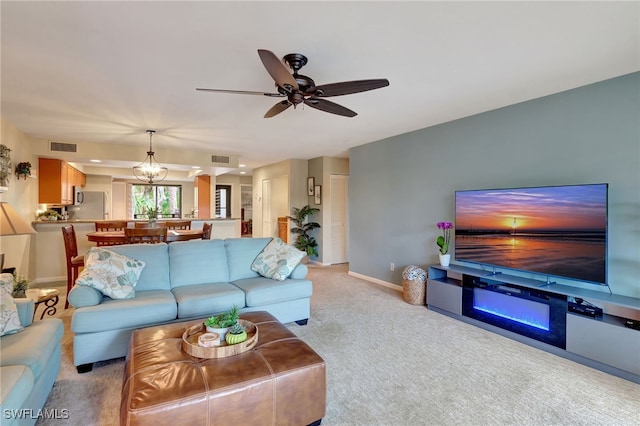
[(183, 281), (29, 365)]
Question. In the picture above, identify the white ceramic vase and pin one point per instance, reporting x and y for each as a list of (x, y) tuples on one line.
[(221, 331), (445, 259)]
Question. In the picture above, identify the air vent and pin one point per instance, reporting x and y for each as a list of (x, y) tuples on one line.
[(63, 147), (220, 159)]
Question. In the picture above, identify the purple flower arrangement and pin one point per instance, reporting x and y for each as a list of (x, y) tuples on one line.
[(444, 239)]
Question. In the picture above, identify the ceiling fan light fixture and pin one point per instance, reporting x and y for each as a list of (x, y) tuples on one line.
[(150, 170)]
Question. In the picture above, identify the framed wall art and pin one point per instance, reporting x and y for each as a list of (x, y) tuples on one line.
[(310, 186), (317, 194)]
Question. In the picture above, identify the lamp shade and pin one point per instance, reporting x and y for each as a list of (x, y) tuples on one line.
[(11, 223)]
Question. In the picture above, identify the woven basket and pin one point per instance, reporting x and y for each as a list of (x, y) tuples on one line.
[(414, 292)]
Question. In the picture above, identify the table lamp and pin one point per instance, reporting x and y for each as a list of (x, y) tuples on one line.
[(11, 223)]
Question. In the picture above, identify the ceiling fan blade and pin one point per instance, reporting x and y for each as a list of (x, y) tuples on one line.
[(328, 106), (277, 70), (277, 109), (241, 92), (349, 87)]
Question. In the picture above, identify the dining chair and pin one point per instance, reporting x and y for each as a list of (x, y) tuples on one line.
[(178, 224), (148, 225), (206, 228), (114, 225), (145, 235), (74, 262)]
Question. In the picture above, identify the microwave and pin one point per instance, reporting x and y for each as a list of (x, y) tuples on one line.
[(78, 196)]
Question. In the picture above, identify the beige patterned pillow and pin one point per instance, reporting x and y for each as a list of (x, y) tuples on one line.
[(277, 260), (9, 319), (112, 274)]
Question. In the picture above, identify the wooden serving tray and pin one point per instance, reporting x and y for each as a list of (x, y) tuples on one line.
[(190, 342)]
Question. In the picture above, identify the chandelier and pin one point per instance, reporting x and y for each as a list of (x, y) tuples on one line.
[(150, 170)]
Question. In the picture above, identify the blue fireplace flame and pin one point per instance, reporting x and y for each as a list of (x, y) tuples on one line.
[(524, 311)]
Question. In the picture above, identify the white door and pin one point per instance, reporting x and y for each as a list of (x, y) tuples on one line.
[(266, 209), (339, 249)]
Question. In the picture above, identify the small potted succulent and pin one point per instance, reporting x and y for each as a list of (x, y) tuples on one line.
[(236, 334), (20, 286), (221, 323)]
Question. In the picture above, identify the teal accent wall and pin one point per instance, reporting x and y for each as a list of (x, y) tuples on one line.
[(401, 186)]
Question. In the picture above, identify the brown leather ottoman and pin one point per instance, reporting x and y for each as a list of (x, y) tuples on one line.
[(281, 381)]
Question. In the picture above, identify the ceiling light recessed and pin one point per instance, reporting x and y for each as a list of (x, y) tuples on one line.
[(243, 165), (243, 173), (95, 161)]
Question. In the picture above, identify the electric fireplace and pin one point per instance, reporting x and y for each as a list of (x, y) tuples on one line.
[(533, 313)]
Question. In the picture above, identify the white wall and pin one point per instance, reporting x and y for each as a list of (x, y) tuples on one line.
[(293, 195), (22, 196)]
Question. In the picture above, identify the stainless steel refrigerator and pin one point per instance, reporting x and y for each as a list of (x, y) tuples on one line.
[(92, 207)]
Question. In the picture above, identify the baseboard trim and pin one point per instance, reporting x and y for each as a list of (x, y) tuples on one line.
[(49, 279), (375, 281)]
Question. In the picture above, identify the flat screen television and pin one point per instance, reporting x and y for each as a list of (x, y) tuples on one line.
[(556, 231)]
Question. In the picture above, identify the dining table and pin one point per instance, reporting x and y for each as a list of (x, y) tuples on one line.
[(117, 237)]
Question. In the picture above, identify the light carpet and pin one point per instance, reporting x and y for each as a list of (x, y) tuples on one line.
[(391, 363)]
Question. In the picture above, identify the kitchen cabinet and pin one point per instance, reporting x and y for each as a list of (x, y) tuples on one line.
[(56, 179)]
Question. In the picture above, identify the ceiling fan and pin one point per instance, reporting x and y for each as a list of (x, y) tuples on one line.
[(298, 88)]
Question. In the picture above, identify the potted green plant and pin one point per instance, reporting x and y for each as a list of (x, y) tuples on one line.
[(221, 323), (49, 215), (152, 215), (236, 334), (302, 227), (20, 286), (23, 170), (5, 165)]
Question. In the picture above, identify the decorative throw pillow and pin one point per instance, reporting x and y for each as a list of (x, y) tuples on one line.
[(112, 274), (277, 260), (9, 319)]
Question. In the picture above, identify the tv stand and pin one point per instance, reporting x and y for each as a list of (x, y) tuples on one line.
[(602, 342), (493, 273)]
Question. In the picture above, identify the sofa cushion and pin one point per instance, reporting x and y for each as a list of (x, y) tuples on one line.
[(277, 260), (113, 274), (81, 295), (241, 252), (9, 319), (198, 262), (147, 308), (34, 346), (207, 299), (155, 275), (261, 291), (16, 383)]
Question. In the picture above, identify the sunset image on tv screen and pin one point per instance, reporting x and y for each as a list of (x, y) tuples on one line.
[(559, 231)]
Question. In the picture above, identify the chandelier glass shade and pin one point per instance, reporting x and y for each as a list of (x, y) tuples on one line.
[(150, 170)]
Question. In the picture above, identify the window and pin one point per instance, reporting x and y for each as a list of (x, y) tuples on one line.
[(166, 198), (223, 200)]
